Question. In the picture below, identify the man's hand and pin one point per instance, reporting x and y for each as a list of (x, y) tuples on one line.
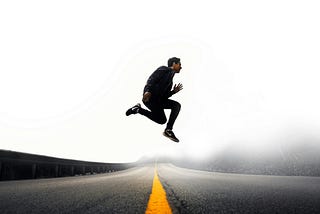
[(146, 97), (177, 88)]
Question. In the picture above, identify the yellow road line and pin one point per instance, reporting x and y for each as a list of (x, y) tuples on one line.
[(158, 201)]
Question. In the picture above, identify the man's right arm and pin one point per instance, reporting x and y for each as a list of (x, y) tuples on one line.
[(153, 79)]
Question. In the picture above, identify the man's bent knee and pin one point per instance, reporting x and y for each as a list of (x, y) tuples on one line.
[(177, 106), (162, 121)]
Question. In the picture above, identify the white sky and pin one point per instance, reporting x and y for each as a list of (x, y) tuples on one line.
[(70, 69)]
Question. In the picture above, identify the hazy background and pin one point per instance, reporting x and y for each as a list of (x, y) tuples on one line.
[(70, 69)]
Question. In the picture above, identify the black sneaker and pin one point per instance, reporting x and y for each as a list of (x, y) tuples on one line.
[(169, 134), (133, 110)]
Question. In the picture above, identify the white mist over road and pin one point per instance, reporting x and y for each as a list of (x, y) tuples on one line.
[(70, 69)]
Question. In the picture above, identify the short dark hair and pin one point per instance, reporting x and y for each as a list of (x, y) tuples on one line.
[(173, 60)]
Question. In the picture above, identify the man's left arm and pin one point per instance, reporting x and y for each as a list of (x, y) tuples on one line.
[(176, 89)]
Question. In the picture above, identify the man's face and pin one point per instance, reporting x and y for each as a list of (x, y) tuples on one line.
[(177, 67)]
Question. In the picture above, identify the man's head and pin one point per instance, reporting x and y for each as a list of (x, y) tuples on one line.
[(175, 64)]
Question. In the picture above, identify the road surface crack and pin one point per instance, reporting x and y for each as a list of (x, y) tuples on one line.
[(178, 205)]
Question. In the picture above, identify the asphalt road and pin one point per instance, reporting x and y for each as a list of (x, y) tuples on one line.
[(125, 191), (188, 191), (191, 191)]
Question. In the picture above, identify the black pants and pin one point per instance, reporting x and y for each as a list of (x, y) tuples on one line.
[(157, 114)]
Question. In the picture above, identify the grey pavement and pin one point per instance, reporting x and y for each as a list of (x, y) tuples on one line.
[(120, 192), (188, 191), (192, 191)]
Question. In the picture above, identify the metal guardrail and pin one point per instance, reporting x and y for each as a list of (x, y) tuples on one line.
[(17, 165)]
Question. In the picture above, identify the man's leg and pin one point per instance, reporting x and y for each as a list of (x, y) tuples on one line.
[(175, 109), (156, 114)]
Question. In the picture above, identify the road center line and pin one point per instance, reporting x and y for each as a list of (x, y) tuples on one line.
[(158, 202)]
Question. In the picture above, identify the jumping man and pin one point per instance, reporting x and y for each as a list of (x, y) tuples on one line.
[(156, 95)]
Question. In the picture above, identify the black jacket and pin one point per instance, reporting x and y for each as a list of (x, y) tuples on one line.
[(160, 83)]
